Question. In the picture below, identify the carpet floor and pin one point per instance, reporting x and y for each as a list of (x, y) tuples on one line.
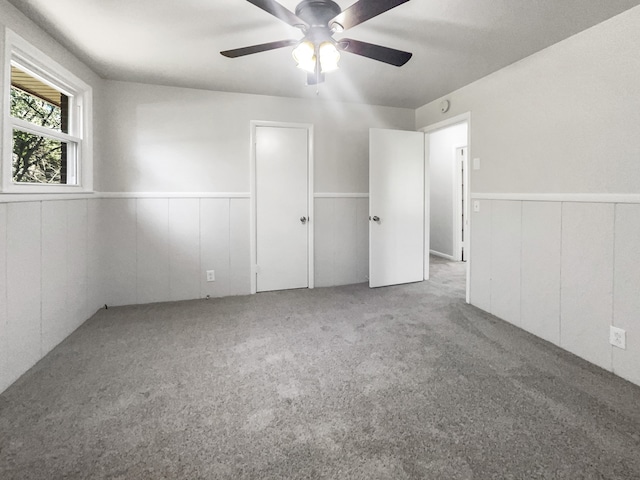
[(404, 382)]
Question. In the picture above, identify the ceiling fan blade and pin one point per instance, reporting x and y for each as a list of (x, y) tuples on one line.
[(363, 10), (277, 10), (241, 52), (375, 52)]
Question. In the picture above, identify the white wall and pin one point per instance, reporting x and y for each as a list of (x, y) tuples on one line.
[(556, 133), (566, 119), (443, 185), (44, 255), (564, 271), (341, 241), (158, 249), (44, 245), (167, 139), (164, 140)]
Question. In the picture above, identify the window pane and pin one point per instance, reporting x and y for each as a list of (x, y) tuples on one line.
[(37, 102), (38, 159)]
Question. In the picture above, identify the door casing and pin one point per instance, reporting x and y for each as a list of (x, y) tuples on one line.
[(465, 117)]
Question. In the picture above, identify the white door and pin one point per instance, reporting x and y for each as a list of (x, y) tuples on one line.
[(396, 207), (282, 219)]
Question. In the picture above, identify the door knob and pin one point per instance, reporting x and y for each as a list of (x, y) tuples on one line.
[(376, 218), (303, 220)]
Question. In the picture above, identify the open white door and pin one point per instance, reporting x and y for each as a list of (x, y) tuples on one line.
[(396, 207)]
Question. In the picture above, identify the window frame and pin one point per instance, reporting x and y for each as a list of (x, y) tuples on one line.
[(23, 55)]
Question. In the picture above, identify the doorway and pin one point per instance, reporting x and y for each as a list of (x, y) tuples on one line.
[(282, 206), (448, 145)]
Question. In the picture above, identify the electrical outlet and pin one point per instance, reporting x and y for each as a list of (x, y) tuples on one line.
[(618, 337), (211, 275)]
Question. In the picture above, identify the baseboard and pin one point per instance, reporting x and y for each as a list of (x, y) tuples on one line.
[(442, 255)]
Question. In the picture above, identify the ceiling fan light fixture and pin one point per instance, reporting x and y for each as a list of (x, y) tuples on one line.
[(305, 55), (329, 57), (318, 52), (335, 27), (309, 66)]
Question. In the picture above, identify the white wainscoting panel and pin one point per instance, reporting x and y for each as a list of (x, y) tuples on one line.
[(43, 280), (112, 234), (481, 256), (362, 240), (5, 379), (64, 270), (78, 268), (626, 307), (214, 246), (341, 240), (184, 248), (54, 273), (506, 247), (24, 325), (61, 259), (345, 253), (239, 247), (579, 271), (587, 280), (324, 241), (540, 286), (152, 269)]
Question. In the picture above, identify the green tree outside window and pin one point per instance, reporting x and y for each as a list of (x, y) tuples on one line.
[(36, 158)]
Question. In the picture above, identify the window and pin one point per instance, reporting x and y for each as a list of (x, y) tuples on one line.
[(47, 125)]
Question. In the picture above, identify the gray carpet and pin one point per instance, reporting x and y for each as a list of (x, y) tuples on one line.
[(405, 382)]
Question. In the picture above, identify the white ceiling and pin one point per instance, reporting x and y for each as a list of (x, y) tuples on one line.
[(169, 42)]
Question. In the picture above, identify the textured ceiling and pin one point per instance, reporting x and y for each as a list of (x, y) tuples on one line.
[(454, 42)]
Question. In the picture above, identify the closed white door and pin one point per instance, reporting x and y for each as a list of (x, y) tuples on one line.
[(282, 223), (396, 207)]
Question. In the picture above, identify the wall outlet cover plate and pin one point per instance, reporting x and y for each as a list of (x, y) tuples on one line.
[(618, 337)]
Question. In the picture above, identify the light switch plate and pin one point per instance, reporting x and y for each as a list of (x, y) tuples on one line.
[(476, 164), (476, 205)]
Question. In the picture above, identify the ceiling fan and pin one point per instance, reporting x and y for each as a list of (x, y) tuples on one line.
[(318, 52)]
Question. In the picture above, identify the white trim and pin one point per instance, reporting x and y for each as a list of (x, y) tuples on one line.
[(467, 213), (426, 185), (43, 131), (310, 205), (44, 197), (561, 197), (443, 255), (173, 194), (40, 197), (341, 195), (17, 50), (253, 218), (310, 187), (462, 118)]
